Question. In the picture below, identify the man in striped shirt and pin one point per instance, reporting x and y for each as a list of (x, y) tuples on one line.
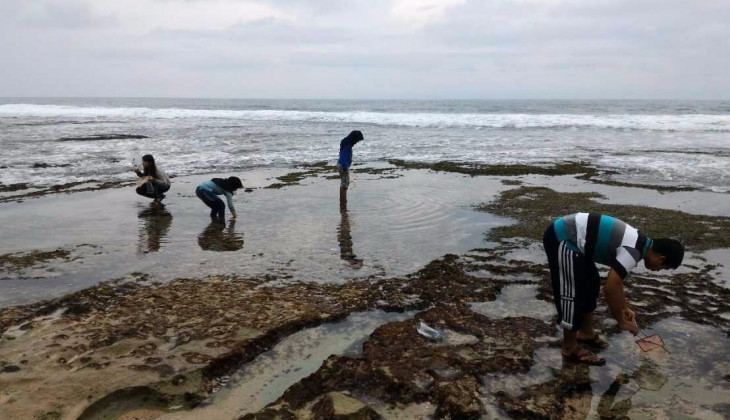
[(573, 245)]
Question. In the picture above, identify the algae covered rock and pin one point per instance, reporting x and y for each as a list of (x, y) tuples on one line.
[(459, 399), (338, 406)]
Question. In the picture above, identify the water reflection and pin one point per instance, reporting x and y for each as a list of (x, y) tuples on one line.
[(647, 377), (217, 237), (608, 407), (576, 378), (155, 222), (344, 238), (616, 401)]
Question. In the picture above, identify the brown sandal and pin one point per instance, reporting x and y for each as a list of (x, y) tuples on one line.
[(596, 342), (584, 356)]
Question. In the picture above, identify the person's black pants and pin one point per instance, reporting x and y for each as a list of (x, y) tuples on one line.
[(152, 189), (218, 208), (575, 281)]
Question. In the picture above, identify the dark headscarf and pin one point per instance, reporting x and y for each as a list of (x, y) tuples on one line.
[(353, 138), (152, 170), (230, 184)]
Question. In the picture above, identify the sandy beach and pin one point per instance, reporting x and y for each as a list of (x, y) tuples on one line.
[(115, 310)]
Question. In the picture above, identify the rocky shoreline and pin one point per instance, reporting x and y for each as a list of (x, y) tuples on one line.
[(178, 339), (166, 348), (29, 191)]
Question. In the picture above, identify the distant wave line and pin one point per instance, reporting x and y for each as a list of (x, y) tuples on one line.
[(651, 122)]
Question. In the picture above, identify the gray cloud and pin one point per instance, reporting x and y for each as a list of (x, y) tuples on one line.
[(328, 48), (55, 14)]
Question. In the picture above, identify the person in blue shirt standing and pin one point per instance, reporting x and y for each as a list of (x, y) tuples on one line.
[(344, 162), (208, 192)]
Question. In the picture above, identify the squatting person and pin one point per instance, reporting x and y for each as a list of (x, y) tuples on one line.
[(153, 180)]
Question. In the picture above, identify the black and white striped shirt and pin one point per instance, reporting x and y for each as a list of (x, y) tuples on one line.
[(603, 239)]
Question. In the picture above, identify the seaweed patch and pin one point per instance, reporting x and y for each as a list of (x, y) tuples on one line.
[(535, 207)]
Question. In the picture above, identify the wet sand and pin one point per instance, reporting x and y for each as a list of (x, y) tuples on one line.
[(269, 317)]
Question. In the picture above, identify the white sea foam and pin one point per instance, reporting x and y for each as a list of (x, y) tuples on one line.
[(647, 143), (669, 123)]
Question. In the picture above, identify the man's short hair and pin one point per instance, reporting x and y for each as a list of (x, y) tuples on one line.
[(671, 249)]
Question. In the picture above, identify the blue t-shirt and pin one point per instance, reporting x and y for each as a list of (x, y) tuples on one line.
[(212, 187), (345, 159)]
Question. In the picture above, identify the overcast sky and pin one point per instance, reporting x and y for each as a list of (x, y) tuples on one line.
[(366, 49)]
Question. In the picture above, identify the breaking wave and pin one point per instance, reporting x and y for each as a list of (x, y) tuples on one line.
[(650, 122)]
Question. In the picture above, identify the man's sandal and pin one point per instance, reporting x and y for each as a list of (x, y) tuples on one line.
[(584, 356), (596, 342)]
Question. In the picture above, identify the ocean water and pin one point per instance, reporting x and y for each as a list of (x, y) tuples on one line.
[(665, 142)]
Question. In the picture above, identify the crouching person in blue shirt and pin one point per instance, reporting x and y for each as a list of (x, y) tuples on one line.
[(208, 192)]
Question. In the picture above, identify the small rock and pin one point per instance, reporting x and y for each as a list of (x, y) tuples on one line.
[(164, 370), (178, 379), (193, 399), (10, 369), (459, 399), (196, 358), (78, 308), (337, 406)]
